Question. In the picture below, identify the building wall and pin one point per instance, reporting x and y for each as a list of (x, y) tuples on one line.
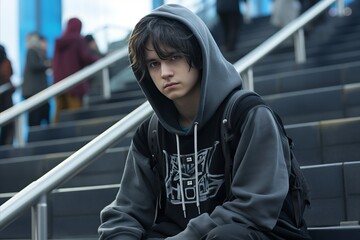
[(9, 34)]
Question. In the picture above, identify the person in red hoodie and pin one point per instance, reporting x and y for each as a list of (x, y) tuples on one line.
[(71, 55)]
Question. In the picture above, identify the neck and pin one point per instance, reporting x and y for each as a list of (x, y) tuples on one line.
[(187, 111), (188, 105), (185, 122)]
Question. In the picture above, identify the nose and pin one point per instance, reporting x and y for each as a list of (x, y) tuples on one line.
[(166, 71)]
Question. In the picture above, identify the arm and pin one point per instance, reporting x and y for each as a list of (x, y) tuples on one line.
[(35, 62), (133, 210), (260, 180)]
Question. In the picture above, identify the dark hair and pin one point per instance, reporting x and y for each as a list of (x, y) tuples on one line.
[(89, 38), (163, 33), (2, 53)]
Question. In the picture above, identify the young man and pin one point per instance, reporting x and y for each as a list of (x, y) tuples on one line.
[(187, 81)]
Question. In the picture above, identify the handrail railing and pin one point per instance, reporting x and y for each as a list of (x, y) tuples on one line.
[(5, 87), (295, 28), (83, 157), (72, 165), (67, 83), (60, 87)]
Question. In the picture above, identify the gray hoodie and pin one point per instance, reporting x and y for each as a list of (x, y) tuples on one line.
[(260, 173)]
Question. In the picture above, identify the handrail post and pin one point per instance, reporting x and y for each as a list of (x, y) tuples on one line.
[(248, 77), (299, 45), (106, 83), (19, 131), (341, 8), (39, 219)]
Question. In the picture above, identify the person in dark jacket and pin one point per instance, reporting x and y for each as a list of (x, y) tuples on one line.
[(231, 19), (306, 5), (71, 55), (35, 78), (188, 81), (95, 81), (7, 90)]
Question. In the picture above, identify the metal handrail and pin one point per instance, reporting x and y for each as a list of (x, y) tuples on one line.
[(5, 87), (60, 87), (15, 112), (72, 165), (86, 155), (294, 28)]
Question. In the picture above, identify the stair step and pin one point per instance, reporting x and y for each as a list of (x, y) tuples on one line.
[(308, 78)]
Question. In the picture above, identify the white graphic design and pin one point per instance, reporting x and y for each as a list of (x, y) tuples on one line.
[(209, 184)]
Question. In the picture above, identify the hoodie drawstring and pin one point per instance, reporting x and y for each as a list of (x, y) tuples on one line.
[(196, 168), (196, 172), (180, 176)]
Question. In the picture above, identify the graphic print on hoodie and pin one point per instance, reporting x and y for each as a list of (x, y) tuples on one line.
[(208, 184)]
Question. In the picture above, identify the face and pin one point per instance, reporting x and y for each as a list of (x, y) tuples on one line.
[(173, 77), (43, 45)]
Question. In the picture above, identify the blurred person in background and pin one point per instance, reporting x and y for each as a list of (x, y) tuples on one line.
[(35, 77), (72, 54), (6, 91), (95, 82), (231, 20), (306, 5), (284, 11)]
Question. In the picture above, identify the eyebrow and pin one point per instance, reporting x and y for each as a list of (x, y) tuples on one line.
[(149, 60), (168, 53)]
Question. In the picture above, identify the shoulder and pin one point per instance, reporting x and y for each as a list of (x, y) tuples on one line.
[(250, 108)]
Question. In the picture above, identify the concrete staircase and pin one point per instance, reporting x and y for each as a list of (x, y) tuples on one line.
[(318, 101)]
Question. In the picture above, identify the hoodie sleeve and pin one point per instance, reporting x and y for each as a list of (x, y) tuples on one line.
[(260, 180), (133, 210)]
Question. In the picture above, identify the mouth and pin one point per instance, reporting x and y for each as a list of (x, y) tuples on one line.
[(169, 85)]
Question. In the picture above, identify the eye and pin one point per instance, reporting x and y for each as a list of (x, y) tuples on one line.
[(175, 58), (153, 64)]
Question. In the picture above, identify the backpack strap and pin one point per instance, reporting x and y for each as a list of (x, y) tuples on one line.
[(244, 100), (155, 151), (153, 142)]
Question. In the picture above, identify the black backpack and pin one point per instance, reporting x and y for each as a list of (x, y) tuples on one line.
[(246, 100)]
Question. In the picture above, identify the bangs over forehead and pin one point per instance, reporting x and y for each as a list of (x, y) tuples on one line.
[(168, 34), (163, 34)]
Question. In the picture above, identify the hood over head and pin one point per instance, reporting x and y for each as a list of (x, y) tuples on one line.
[(73, 26), (219, 77), (71, 32)]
